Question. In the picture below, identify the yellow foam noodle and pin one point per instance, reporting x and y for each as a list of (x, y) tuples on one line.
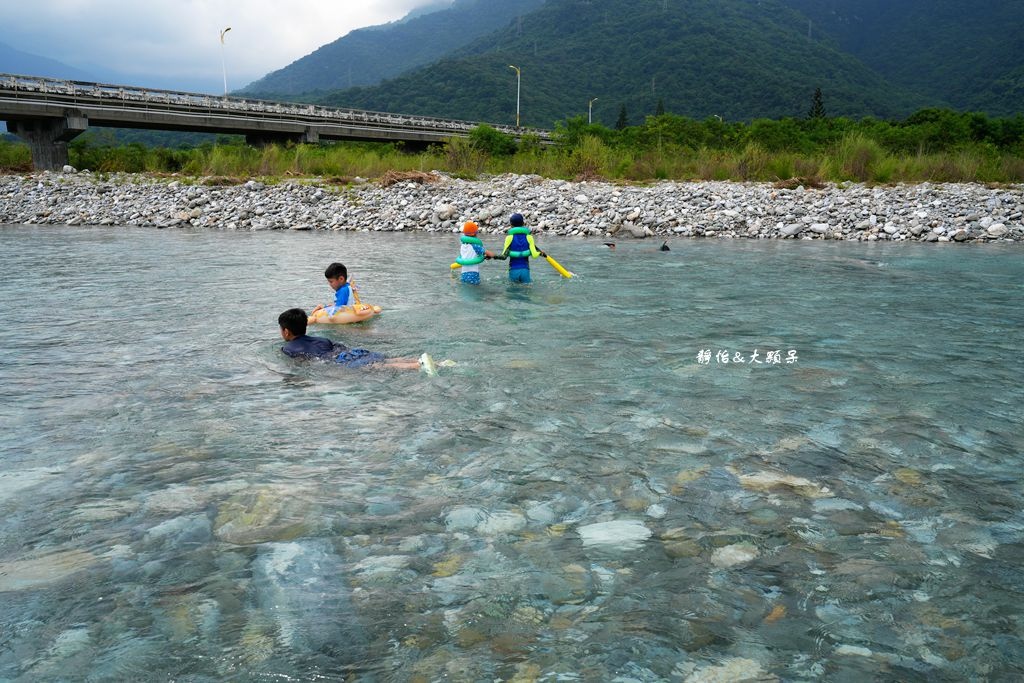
[(456, 265), (558, 266)]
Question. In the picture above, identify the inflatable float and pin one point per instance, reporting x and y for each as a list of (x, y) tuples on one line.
[(356, 312), (344, 315)]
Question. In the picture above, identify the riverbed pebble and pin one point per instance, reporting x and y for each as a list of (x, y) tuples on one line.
[(926, 212), (625, 534)]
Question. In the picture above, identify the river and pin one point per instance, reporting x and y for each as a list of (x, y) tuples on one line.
[(590, 493)]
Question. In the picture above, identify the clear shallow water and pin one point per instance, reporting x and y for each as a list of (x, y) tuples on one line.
[(179, 500)]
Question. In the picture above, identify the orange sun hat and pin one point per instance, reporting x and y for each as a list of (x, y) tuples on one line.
[(470, 228)]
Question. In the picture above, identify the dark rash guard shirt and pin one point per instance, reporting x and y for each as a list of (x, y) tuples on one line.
[(308, 346)]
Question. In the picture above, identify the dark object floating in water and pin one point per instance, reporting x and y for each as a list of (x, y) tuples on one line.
[(664, 246), (610, 245)]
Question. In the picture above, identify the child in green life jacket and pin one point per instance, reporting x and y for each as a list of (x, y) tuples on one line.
[(519, 249), (472, 254)]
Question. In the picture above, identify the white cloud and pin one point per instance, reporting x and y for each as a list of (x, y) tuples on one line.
[(169, 40)]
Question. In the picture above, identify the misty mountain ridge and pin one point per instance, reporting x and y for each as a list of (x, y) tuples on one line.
[(367, 56), (14, 61)]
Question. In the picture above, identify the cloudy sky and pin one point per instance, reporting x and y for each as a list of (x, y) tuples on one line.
[(176, 43)]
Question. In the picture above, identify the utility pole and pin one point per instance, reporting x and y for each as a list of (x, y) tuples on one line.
[(519, 81)]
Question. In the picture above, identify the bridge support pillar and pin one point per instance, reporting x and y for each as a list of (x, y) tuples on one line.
[(308, 137), (48, 138)]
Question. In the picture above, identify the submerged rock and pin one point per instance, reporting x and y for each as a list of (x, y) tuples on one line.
[(501, 523), (677, 546), (42, 570), (836, 505), (732, 555), (14, 483), (463, 518), (772, 481), (302, 587), (572, 585), (260, 516), (381, 564), (656, 511), (735, 670), (104, 511), (625, 534), (178, 498), (180, 531)]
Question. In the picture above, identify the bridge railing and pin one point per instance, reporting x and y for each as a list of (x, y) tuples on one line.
[(68, 90)]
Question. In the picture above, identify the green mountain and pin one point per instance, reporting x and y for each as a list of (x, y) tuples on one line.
[(737, 59), (967, 54), (368, 56)]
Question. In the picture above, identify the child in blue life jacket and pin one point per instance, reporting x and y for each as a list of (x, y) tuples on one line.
[(298, 344), (519, 249), (472, 254), (337, 278)]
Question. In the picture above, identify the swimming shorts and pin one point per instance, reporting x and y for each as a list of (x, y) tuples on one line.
[(358, 358), (471, 278), (519, 275)]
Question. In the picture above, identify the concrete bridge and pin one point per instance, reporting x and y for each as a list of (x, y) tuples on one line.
[(48, 113)]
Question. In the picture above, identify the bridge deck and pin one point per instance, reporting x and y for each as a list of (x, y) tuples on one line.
[(27, 98)]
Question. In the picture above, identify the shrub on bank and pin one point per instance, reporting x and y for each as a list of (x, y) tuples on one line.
[(932, 145), (14, 157)]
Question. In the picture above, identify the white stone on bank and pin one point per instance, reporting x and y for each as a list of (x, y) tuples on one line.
[(725, 210)]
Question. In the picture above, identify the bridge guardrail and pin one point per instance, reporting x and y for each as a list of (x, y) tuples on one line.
[(75, 91)]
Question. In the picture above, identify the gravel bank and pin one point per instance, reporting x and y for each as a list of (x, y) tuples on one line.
[(923, 213)]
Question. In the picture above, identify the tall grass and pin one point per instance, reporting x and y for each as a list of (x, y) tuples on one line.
[(854, 155), (461, 156), (589, 159), (14, 157)]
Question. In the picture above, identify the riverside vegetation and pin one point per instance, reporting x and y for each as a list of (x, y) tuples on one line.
[(932, 145)]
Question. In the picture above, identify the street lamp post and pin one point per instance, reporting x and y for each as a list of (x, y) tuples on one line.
[(590, 110), (223, 65), (519, 81)]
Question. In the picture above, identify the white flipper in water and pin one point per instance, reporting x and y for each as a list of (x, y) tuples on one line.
[(427, 365)]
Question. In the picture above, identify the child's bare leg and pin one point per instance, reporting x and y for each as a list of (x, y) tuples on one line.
[(402, 363)]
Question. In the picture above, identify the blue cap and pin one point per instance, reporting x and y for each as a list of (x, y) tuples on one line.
[(517, 220)]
